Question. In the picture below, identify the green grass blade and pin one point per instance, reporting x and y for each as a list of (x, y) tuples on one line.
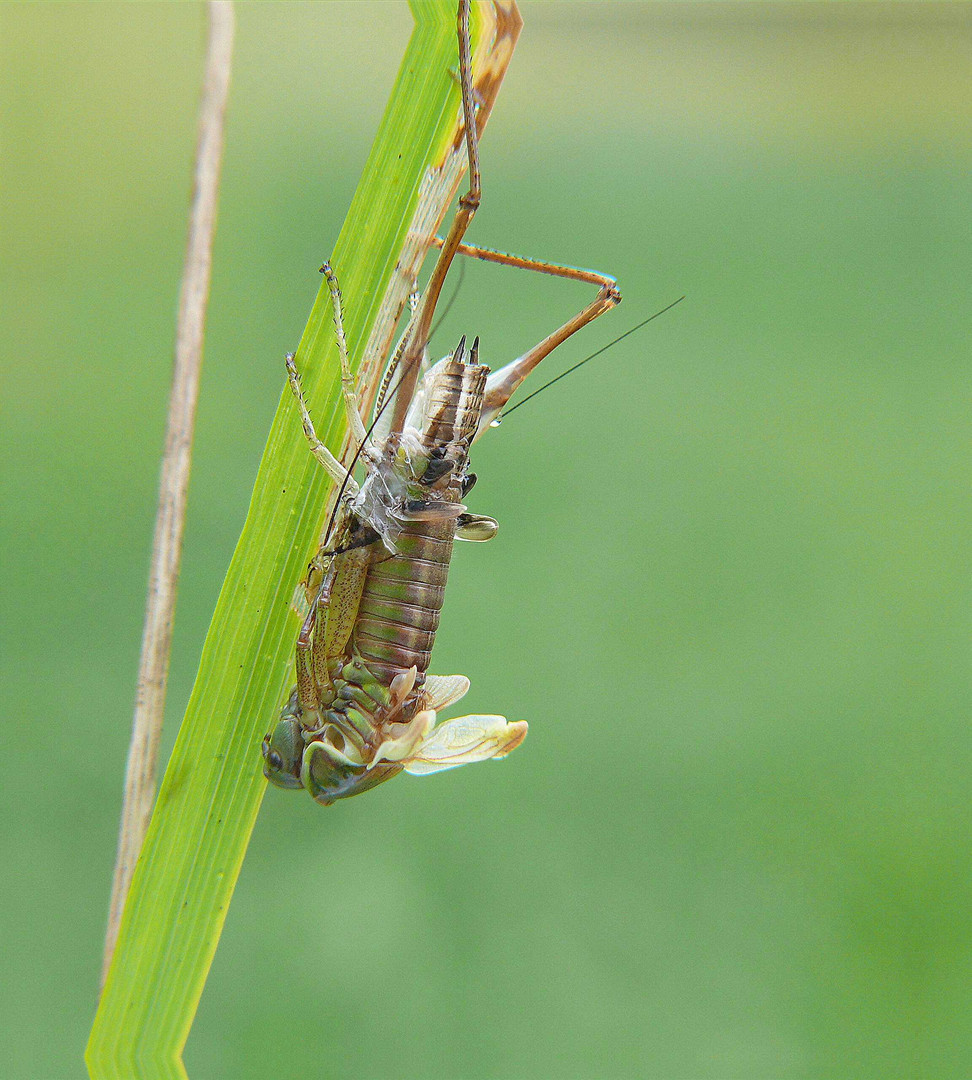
[(213, 785)]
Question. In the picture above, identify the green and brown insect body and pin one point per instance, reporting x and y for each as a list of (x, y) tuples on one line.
[(364, 707), (402, 597)]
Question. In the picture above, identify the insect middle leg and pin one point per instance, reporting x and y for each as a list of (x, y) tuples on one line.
[(351, 406), (337, 472), (334, 468)]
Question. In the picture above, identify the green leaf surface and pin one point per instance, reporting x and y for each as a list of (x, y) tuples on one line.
[(213, 785)]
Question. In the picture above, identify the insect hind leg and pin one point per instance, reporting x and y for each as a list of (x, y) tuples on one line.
[(359, 435), (418, 335), (502, 383)]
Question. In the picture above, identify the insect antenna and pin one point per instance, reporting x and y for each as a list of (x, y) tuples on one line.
[(452, 299), (396, 359), (580, 363)]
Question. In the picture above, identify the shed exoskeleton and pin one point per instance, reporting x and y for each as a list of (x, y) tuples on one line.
[(364, 707)]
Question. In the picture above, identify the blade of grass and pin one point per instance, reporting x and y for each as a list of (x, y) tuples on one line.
[(213, 785)]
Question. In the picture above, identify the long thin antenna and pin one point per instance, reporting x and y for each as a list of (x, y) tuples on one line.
[(580, 363), (452, 299)]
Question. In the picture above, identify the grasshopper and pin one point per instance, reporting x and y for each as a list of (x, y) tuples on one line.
[(364, 706)]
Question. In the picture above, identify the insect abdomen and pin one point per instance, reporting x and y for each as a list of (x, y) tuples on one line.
[(402, 599)]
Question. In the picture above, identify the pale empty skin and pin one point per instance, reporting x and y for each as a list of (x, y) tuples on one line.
[(364, 707)]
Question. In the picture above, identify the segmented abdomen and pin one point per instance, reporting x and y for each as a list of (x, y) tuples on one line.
[(402, 599)]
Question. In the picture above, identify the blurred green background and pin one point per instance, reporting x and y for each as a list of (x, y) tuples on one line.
[(728, 592)]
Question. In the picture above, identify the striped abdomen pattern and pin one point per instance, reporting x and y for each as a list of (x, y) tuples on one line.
[(403, 593)]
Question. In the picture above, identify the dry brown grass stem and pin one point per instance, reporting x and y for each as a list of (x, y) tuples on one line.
[(141, 769)]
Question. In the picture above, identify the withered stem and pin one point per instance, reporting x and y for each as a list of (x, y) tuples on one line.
[(140, 774)]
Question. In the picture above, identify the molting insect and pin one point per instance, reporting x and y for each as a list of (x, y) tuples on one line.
[(364, 707)]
